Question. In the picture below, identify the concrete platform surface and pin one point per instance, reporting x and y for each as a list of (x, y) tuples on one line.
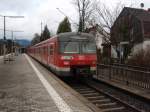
[(26, 86), (1, 57)]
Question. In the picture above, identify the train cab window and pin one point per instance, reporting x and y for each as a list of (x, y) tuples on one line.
[(88, 47), (69, 47)]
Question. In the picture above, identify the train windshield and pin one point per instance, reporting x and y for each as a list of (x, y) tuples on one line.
[(77, 47), (69, 47), (88, 47)]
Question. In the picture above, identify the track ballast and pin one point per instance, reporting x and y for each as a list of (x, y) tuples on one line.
[(101, 98)]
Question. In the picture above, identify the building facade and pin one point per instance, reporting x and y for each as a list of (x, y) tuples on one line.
[(132, 27)]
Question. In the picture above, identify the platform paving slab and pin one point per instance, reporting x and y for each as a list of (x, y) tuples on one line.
[(22, 91)]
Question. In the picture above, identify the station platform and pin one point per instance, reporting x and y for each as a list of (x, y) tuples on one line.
[(26, 86)]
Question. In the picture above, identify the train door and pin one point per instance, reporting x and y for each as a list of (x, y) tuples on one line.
[(55, 55), (51, 55), (41, 52), (47, 55), (48, 59)]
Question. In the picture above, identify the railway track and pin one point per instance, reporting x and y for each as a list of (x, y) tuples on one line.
[(102, 99)]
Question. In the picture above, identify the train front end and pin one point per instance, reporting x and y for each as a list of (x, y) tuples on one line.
[(77, 54)]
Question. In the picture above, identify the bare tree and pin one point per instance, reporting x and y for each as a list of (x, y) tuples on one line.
[(85, 9), (104, 18)]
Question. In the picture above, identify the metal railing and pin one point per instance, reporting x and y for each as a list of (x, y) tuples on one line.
[(132, 67), (124, 75)]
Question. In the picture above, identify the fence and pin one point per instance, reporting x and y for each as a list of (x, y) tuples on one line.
[(125, 75), (132, 67)]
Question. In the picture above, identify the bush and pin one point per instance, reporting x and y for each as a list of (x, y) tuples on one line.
[(140, 58)]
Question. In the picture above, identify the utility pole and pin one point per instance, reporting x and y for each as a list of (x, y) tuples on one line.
[(12, 46), (4, 55), (41, 27), (4, 29), (12, 39), (4, 45)]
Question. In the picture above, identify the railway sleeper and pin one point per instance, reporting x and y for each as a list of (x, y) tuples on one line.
[(101, 100), (113, 109), (90, 94), (79, 87), (86, 92), (95, 97), (82, 89), (108, 105)]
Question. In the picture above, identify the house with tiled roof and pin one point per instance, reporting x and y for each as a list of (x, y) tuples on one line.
[(131, 28)]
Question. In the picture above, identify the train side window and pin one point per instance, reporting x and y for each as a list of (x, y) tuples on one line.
[(51, 50), (39, 50), (43, 50)]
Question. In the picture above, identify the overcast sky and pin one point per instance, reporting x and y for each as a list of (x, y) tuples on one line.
[(37, 11)]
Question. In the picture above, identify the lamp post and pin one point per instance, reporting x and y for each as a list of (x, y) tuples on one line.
[(12, 46), (5, 31), (12, 39)]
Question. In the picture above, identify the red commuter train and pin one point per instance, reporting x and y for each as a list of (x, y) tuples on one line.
[(67, 54)]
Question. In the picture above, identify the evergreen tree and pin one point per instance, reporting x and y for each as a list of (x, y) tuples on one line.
[(46, 34), (36, 39), (64, 26)]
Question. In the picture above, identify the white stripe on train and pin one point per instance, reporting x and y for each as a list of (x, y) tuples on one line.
[(66, 69)]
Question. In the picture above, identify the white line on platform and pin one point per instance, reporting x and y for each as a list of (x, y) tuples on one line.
[(60, 103)]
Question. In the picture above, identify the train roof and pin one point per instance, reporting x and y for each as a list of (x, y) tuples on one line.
[(70, 36), (75, 36)]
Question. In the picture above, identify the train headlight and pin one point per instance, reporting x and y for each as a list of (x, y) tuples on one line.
[(66, 57)]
